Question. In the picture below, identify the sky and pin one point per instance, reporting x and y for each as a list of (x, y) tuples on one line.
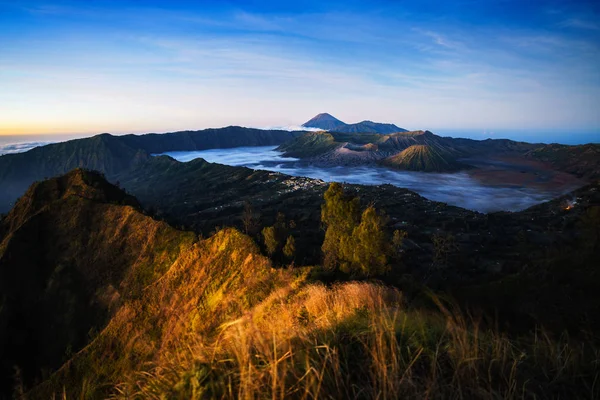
[(75, 67)]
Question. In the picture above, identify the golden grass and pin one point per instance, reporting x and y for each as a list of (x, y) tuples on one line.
[(221, 323), (354, 341)]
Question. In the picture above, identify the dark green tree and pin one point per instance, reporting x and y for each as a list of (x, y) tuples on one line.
[(354, 243), (270, 239), (289, 250), (369, 245), (340, 214), (249, 219)]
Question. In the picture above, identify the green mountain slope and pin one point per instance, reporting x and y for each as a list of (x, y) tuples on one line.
[(427, 153)]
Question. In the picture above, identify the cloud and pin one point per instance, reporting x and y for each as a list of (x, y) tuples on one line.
[(457, 189), (442, 40), (579, 24), (290, 128), (13, 148), (135, 68)]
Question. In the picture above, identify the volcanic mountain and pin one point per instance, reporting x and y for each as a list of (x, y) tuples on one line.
[(323, 121), (442, 154), (428, 152), (420, 157), (328, 122)]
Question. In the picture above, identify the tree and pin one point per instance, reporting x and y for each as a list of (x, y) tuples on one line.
[(340, 215), (443, 245), (397, 241), (354, 243), (289, 250), (370, 245), (270, 239), (249, 219)]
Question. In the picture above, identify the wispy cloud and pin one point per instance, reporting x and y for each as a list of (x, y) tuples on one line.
[(442, 40), (580, 24)]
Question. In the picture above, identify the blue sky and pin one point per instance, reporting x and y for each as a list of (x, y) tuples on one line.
[(132, 66)]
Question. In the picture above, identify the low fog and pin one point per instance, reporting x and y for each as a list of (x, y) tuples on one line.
[(457, 189)]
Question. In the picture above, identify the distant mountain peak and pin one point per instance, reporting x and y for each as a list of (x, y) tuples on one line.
[(326, 116), (323, 121), (328, 122)]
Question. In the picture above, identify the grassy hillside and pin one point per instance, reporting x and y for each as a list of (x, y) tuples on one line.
[(100, 300)]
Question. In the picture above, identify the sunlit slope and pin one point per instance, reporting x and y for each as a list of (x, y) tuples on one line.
[(72, 251)]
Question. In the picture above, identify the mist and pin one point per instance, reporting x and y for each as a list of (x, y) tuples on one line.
[(457, 189)]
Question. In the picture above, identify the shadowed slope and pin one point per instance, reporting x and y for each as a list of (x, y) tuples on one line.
[(105, 153), (68, 252), (117, 154)]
